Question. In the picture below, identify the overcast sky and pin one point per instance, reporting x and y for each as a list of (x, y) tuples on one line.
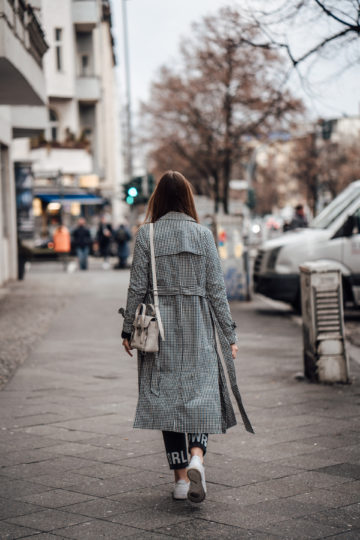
[(156, 26)]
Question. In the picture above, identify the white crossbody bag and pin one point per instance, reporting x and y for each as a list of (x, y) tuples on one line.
[(147, 325)]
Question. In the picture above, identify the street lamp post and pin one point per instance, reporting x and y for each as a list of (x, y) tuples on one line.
[(129, 149)]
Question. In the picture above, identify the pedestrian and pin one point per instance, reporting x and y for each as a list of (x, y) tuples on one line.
[(62, 244), (299, 220), (82, 241), (104, 236), (182, 388), (24, 255), (122, 239)]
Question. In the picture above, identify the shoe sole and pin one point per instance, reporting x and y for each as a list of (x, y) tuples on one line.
[(179, 498), (196, 491)]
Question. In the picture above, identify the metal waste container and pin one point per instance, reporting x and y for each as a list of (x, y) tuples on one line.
[(325, 357)]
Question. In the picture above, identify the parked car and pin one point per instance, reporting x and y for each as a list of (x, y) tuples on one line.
[(333, 236)]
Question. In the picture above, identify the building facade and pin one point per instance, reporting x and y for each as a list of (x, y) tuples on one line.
[(22, 114), (76, 162)]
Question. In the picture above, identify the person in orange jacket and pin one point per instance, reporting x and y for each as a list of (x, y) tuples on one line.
[(62, 244)]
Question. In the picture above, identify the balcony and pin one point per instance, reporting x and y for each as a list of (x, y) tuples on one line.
[(86, 14), (88, 89), (22, 46), (28, 121), (68, 160)]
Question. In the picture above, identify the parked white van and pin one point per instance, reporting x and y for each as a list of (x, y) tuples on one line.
[(333, 236)]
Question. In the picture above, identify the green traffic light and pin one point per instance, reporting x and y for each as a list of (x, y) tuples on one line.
[(132, 192), (129, 199)]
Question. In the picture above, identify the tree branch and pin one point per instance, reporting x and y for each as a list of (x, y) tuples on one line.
[(333, 16), (322, 44)]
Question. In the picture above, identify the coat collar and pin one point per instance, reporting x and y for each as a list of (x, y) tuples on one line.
[(176, 216)]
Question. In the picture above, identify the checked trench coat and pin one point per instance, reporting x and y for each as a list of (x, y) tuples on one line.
[(183, 388)]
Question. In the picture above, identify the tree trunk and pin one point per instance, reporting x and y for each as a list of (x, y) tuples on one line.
[(216, 192)]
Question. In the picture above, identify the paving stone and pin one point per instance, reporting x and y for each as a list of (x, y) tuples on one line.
[(210, 530), (240, 496), (152, 462), (353, 486), (300, 529), (111, 486), (296, 484), (50, 466), (312, 462), (104, 470), (20, 440), (8, 531), (347, 516), (71, 449), (48, 520), (57, 479), (327, 498), (141, 497), (335, 441), (228, 477), (349, 470), (132, 447), (230, 515), (44, 536), (104, 455), (23, 457), (15, 489), (11, 508), (145, 535), (348, 535), (148, 519), (99, 508), (96, 529), (56, 498), (58, 433)]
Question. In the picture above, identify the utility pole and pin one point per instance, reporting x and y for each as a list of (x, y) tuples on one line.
[(129, 137)]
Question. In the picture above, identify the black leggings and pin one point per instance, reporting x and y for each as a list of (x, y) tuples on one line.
[(175, 446)]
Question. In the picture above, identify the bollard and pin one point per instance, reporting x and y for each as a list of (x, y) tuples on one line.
[(325, 357)]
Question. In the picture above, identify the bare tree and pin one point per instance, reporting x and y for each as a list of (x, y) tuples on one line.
[(323, 166), (223, 92), (333, 27), (339, 164), (305, 167)]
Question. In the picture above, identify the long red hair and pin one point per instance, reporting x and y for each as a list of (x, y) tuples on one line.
[(173, 193)]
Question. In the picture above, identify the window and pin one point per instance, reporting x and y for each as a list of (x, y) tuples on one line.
[(54, 125), (4, 187), (84, 65), (58, 49)]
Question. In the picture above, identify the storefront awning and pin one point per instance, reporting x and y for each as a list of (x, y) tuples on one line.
[(81, 198)]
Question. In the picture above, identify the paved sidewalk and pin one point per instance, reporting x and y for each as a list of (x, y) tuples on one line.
[(71, 466)]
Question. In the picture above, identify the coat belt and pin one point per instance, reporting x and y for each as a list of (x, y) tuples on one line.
[(192, 290)]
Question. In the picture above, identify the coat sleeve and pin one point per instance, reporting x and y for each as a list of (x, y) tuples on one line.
[(139, 279), (215, 290)]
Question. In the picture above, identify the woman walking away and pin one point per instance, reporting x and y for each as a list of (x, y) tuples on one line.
[(182, 387)]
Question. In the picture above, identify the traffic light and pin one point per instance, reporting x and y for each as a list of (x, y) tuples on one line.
[(133, 191), (139, 189), (251, 199)]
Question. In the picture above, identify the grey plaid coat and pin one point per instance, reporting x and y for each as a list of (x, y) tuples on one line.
[(183, 387)]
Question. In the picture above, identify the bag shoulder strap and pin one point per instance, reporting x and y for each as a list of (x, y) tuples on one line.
[(153, 270)]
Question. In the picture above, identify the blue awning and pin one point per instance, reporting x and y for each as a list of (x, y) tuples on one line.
[(81, 198)]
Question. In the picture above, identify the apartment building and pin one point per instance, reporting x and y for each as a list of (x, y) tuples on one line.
[(76, 162), (22, 114)]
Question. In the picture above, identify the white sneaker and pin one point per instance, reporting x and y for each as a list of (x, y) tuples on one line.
[(196, 475), (181, 490)]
